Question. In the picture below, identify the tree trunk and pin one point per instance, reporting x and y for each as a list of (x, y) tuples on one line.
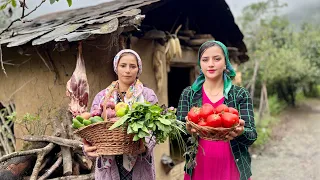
[(265, 93), (261, 105), (253, 82), (291, 92), (281, 93)]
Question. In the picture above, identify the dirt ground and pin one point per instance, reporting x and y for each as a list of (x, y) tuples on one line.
[(293, 153)]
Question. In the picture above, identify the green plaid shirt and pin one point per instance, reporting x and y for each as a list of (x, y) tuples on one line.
[(239, 98)]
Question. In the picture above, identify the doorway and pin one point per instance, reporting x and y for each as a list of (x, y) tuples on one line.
[(179, 78)]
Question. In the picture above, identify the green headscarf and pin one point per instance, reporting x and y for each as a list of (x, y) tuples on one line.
[(227, 76)]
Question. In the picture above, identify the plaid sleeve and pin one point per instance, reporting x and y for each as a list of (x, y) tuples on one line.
[(245, 107), (183, 109), (183, 105)]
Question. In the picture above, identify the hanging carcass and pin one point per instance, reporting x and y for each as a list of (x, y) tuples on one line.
[(78, 87)]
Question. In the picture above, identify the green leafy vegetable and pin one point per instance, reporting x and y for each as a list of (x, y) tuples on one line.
[(121, 121), (146, 119)]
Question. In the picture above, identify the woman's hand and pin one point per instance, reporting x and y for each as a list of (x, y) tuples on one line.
[(237, 131), (89, 150), (190, 129)]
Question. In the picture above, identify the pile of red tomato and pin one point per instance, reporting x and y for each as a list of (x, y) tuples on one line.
[(207, 115)]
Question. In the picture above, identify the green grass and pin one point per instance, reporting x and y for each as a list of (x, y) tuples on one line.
[(264, 130), (264, 126)]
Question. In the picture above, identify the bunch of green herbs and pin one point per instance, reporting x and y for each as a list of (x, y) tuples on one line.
[(146, 119)]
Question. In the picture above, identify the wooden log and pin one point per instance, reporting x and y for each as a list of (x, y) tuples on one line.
[(75, 168), (57, 140), (81, 177), (23, 153), (52, 168), (65, 151), (84, 163), (68, 126), (67, 161), (17, 167), (46, 161), (40, 157)]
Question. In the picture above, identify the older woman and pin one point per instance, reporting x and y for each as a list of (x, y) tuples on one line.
[(219, 160), (129, 89)]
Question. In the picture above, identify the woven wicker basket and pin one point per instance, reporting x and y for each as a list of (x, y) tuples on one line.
[(211, 133), (110, 142)]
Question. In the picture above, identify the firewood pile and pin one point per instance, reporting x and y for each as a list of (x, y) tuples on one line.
[(50, 157), (60, 155)]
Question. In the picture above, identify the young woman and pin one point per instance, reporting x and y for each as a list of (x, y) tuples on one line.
[(128, 88), (219, 160)]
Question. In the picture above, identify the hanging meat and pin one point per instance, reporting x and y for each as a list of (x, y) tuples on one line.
[(78, 87)]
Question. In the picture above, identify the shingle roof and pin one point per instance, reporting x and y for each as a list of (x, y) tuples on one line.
[(77, 24)]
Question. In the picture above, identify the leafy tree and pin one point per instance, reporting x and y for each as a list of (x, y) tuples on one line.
[(23, 4), (288, 59)]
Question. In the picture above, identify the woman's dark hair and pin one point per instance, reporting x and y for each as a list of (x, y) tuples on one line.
[(206, 46)]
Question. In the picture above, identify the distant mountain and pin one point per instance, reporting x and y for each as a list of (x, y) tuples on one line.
[(308, 12), (297, 11)]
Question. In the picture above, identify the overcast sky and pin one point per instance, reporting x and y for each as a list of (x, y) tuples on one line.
[(60, 6), (236, 6), (297, 10)]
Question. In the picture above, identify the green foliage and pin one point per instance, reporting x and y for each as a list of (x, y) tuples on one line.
[(263, 136), (264, 130), (276, 106), (5, 3), (288, 57), (33, 124), (285, 56), (11, 10), (68, 1)]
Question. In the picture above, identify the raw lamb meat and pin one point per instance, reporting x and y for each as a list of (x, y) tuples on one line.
[(78, 87)]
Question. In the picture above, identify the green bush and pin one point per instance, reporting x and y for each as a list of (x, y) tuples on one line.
[(276, 106), (318, 89), (263, 128), (263, 136), (300, 96)]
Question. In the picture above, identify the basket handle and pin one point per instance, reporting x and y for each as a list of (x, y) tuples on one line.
[(104, 115)]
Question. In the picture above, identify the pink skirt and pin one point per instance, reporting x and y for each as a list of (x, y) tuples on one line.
[(215, 161)]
